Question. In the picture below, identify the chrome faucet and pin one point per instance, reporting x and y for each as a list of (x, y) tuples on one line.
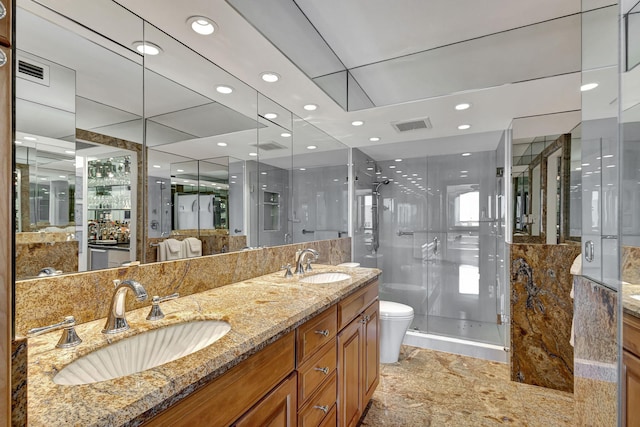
[(116, 321), (69, 336), (300, 261)]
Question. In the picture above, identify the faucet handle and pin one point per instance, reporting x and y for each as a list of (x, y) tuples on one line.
[(156, 313), (309, 265), (288, 272), (69, 336)]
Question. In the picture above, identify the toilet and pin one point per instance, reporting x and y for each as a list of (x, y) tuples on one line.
[(395, 319)]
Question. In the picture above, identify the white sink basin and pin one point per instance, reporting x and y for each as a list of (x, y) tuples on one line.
[(325, 278), (143, 351)]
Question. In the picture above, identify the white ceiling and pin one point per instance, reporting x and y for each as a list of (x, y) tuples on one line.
[(360, 32)]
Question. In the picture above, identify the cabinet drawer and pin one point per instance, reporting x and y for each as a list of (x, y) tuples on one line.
[(5, 23), (316, 370), (315, 333), (312, 414), (331, 420), (278, 408), (354, 304)]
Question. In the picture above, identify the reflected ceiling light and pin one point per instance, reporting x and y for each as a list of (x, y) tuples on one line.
[(463, 176), (357, 123), (588, 86), (611, 166), (233, 182), (285, 135), (370, 169), (225, 90), (466, 154), (263, 173), (62, 176), (30, 138), (311, 147), (378, 173), (310, 107), (253, 154), (585, 164), (392, 167), (234, 176), (303, 169), (180, 170), (608, 156), (398, 160), (335, 180), (374, 139), (147, 48), (398, 171), (270, 116), (18, 142), (462, 106), (186, 180), (405, 175), (578, 168), (464, 127), (270, 77), (156, 166), (69, 151), (202, 25), (43, 179), (221, 144), (464, 171)]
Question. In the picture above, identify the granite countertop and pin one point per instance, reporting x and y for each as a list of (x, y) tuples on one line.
[(630, 304), (259, 310)]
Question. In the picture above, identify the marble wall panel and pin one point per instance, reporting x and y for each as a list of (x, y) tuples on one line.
[(596, 353), (19, 382), (87, 295), (630, 264), (33, 257), (541, 315)]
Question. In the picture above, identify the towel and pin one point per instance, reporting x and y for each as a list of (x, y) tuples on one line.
[(175, 249), (192, 247), (162, 251)]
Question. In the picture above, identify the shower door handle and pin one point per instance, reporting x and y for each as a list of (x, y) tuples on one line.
[(435, 245), (588, 250)]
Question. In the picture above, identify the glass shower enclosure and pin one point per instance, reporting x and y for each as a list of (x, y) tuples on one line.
[(433, 225)]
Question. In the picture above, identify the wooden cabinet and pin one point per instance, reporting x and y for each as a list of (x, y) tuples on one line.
[(315, 333), (277, 409), (358, 360), (631, 370)]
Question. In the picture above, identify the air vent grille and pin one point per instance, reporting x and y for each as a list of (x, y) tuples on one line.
[(33, 71), (411, 125), (269, 146)]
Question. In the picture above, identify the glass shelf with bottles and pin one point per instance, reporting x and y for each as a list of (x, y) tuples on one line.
[(109, 184)]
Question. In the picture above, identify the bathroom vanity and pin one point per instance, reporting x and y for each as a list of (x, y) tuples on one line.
[(296, 354)]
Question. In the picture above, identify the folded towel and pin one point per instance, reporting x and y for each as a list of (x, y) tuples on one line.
[(576, 267), (192, 247), (162, 251), (175, 249)]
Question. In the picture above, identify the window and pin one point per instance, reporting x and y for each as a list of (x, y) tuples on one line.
[(467, 209)]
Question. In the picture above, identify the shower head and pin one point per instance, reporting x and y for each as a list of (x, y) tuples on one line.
[(378, 184)]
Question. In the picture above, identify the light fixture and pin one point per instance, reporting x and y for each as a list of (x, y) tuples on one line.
[(225, 90), (374, 139), (285, 135), (180, 170), (462, 106), (586, 164), (357, 123), (221, 144), (398, 160), (69, 151), (234, 176), (392, 167), (30, 138), (463, 176), (18, 142), (270, 77), (466, 154), (398, 171), (578, 168), (147, 48), (310, 107), (311, 147), (464, 171), (369, 168), (263, 173), (253, 154), (405, 175), (303, 169), (588, 86), (607, 156), (202, 25), (464, 127), (156, 166), (270, 116), (62, 176)]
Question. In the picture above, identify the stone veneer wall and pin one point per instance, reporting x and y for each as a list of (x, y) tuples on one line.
[(541, 315), (19, 382), (31, 257), (87, 295), (596, 354)]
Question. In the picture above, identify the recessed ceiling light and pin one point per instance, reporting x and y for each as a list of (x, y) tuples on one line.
[(62, 176), (398, 160), (253, 154), (398, 171), (147, 48), (357, 123), (369, 169), (585, 164), (310, 107), (311, 147), (69, 151), (285, 135), (202, 25), (180, 170), (588, 86), (578, 168), (463, 176), (462, 106), (392, 167), (30, 138), (270, 116), (225, 90), (303, 169), (43, 179), (608, 156), (156, 166), (18, 142), (378, 172), (186, 180), (222, 144), (374, 139), (270, 77), (466, 154), (335, 179), (464, 127), (405, 175), (234, 176), (263, 173), (464, 171)]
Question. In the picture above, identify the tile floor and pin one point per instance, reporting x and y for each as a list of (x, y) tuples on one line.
[(431, 388)]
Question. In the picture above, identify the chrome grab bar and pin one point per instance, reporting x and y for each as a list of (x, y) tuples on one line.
[(435, 245), (307, 231)]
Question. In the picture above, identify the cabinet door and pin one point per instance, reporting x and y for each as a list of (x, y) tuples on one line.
[(632, 389), (370, 352), (5, 22), (277, 409), (350, 374)]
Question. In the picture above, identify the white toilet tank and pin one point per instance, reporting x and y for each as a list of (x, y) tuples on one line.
[(395, 319)]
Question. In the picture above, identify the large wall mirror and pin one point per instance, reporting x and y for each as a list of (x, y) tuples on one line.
[(129, 142)]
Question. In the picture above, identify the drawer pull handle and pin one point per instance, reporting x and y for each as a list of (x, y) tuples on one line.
[(324, 332), (3, 11), (323, 370), (323, 408), (3, 59)]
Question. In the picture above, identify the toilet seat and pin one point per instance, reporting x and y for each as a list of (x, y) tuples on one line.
[(395, 311)]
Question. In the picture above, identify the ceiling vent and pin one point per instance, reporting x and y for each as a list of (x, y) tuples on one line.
[(33, 71), (269, 146), (416, 124)]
